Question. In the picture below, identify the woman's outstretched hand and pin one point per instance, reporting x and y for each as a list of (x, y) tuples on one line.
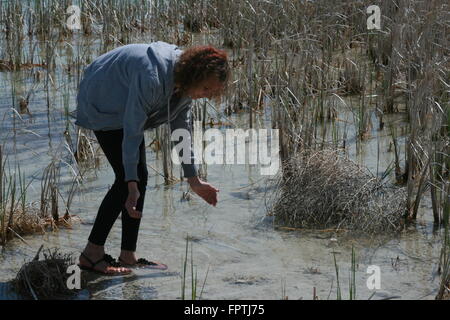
[(204, 190), (133, 196)]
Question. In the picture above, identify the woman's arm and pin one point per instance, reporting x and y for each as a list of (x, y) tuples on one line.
[(141, 88), (205, 190), (183, 121), (133, 133)]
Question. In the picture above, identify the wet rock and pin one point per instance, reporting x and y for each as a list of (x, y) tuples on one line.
[(244, 195), (312, 270), (245, 280), (384, 295)]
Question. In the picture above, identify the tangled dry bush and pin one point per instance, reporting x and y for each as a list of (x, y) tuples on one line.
[(324, 189), (46, 278)]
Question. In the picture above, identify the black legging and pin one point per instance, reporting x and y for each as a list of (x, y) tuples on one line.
[(114, 201)]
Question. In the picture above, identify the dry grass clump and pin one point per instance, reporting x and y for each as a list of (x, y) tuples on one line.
[(46, 278), (19, 223), (324, 189)]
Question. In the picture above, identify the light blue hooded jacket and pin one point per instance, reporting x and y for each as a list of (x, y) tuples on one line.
[(131, 87)]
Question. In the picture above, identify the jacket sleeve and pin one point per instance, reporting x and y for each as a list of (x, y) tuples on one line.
[(140, 94), (183, 121)]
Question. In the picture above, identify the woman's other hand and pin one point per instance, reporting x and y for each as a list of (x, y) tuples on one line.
[(133, 196), (204, 190)]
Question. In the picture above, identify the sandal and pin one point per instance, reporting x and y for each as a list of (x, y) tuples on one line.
[(144, 263), (106, 258)]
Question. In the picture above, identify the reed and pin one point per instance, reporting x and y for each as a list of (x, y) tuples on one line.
[(18, 217), (352, 277), (85, 153), (194, 277), (351, 281), (338, 286), (50, 210), (3, 197), (49, 191), (166, 151)]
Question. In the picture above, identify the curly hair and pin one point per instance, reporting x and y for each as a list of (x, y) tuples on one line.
[(199, 63)]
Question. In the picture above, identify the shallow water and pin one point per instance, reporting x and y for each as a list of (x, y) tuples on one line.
[(246, 257), (235, 246)]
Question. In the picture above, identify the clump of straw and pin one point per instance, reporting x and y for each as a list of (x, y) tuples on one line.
[(324, 189), (20, 222), (45, 279)]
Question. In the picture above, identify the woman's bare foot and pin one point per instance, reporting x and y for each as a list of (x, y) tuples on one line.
[(128, 258), (94, 258)]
